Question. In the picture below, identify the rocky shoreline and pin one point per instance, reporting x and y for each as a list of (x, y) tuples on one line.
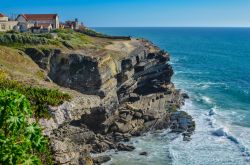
[(121, 96)]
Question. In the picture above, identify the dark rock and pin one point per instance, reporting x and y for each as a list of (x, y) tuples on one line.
[(146, 118), (144, 153), (100, 146), (182, 122), (101, 159), (185, 95), (41, 58), (138, 115), (123, 147), (133, 97)]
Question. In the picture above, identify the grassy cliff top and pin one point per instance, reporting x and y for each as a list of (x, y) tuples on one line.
[(85, 40), (20, 67)]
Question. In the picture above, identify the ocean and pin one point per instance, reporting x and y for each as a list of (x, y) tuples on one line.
[(213, 66)]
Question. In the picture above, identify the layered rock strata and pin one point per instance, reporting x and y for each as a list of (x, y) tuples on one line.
[(125, 92)]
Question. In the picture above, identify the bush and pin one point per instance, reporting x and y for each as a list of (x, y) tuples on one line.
[(93, 33), (21, 141), (40, 98), (65, 37), (10, 39)]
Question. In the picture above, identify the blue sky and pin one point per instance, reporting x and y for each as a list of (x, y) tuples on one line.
[(140, 13)]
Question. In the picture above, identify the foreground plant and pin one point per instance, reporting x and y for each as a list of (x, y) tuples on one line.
[(40, 98), (20, 139)]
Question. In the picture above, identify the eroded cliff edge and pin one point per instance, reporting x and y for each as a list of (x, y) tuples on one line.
[(127, 91), (119, 88)]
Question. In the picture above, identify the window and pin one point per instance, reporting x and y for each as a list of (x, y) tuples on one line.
[(2, 26)]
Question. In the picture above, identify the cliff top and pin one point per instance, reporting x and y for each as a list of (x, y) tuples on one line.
[(15, 61)]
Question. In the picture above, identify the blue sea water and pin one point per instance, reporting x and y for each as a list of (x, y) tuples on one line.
[(213, 66)]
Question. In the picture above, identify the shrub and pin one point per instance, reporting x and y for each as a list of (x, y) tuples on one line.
[(93, 33), (40, 98), (21, 141), (10, 39), (173, 108)]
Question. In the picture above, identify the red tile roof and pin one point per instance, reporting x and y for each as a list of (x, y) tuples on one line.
[(39, 16), (2, 15)]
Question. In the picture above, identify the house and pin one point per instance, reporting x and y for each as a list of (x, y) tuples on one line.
[(27, 21), (6, 24), (3, 18), (71, 24), (40, 28)]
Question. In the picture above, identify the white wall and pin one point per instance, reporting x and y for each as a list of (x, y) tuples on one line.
[(3, 19), (6, 26)]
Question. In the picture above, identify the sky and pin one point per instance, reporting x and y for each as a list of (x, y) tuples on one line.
[(140, 13)]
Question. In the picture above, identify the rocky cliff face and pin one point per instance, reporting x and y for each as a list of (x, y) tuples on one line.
[(127, 91)]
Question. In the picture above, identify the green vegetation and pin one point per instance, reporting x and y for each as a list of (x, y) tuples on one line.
[(60, 37), (93, 33), (24, 38), (173, 108), (40, 98), (21, 141), (72, 39)]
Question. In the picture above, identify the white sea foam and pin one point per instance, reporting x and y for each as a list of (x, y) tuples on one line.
[(207, 99), (206, 85), (211, 139)]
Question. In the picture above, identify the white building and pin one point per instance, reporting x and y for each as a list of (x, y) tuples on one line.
[(27, 21), (5, 24)]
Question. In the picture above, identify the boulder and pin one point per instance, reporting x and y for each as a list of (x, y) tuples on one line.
[(123, 147), (101, 159), (144, 153)]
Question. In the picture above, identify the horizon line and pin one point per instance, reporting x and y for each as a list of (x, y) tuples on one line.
[(169, 26)]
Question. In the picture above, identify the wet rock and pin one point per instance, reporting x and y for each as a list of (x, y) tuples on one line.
[(101, 159), (220, 132), (144, 153), (100, 146), (182, 122), (185, 95), (212, 112), (123, 147)]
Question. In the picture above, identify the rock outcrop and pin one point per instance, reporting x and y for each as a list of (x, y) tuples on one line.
[(126, 91)]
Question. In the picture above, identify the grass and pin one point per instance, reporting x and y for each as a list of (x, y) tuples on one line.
[(16, 62), (72, 39), (24, 38), (93, 33), (59, 38), (40, 98)]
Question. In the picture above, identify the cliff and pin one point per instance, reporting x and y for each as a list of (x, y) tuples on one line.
[(120, 90)]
